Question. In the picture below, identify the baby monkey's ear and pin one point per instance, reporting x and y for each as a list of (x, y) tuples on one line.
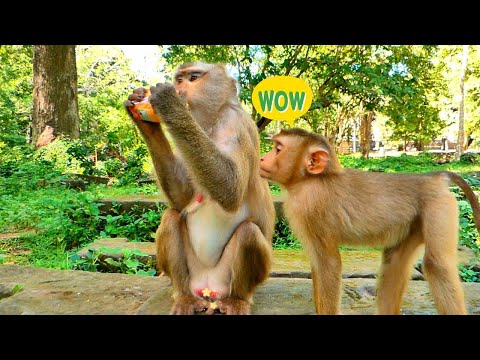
[(317, 160)]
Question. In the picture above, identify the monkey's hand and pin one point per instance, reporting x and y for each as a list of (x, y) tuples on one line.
[(138, 95), (165, 102)]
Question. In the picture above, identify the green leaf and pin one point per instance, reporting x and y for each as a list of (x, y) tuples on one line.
[(138, 252), (132, 263), (151, 272), (17, 288), (74, 257), (112, 262), (116, 250), (93, 209)]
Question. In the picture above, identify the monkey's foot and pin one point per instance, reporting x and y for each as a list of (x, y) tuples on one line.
[(233, 306), (188, 305)]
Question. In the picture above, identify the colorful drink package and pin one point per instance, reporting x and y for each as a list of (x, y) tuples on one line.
[(142, 110)]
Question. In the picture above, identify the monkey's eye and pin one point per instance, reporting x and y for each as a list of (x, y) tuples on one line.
[(179, 80), (278, 148), (194, 77)]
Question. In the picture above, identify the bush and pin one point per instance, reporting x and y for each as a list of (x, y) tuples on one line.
[(283, 237), (135, 225), (113, 167), (133, 168), (470, 158), (58, 152)]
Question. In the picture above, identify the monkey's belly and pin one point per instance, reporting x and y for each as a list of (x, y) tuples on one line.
[(210, 228)]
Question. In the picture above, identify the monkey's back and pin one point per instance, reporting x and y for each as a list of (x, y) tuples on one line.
[(365, 208)]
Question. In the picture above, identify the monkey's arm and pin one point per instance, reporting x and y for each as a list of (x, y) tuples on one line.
[(171, 174), (214, 170)]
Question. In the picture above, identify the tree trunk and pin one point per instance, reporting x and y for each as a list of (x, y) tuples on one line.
[(468, 141), (419, 145), (365, 133), (461, 112), (55, 102)]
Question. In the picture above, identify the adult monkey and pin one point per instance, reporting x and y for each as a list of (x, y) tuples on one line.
[(215, 240), (328, 206)]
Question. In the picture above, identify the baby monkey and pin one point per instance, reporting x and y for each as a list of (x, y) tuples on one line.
[(327, 206)]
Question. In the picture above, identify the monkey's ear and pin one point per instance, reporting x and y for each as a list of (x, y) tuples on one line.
[(317, 160)]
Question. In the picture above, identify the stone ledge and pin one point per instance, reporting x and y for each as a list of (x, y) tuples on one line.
[(73, 292), (361, 263), (152, 202), (281, 296)]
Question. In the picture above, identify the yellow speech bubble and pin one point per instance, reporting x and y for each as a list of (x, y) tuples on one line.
[(282, 98)]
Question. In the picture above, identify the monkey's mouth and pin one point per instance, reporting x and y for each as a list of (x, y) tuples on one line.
[(264, 173)]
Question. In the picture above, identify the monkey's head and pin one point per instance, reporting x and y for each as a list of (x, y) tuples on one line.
[(206, 87), (296, 155)]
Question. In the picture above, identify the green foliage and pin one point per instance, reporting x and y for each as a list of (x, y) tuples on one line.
[(275, 189), (127, 189), (75, 221), (16, 73), (421, 163), (266, 143), (104, 80), (79, 222), (113, 167), (32, 196), (470, 158), (34, 249), (133, 170), (22, 171), (346, 80), (402, 163), (90, 262), (469, 273), (77, 156), (59, 152), (128, 262), (109, 143), (283, 237), (136, 224), (413, 108), (448, 60), (467, 231), (82, 153)]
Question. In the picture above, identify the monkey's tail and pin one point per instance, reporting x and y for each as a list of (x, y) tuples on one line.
[(467, 190)]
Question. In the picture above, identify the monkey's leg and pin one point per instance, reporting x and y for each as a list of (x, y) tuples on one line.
[(171, 259), (440, 260), (326, 266), (247, 258), (397, 263)]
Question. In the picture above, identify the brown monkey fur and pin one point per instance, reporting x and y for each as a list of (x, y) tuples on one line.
[(222, 242), (328, 206)]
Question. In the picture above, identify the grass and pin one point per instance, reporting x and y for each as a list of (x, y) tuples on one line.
[(409, 164)]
